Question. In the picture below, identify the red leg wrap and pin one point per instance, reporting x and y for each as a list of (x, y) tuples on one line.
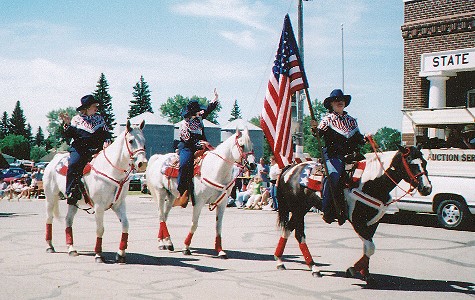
[(49, 232), (279, 251), (123, 241), (164, 229), (160, 232), (217, 244), (98, 248), (188, 239), (362, 265), (306, 254), (69, 235)]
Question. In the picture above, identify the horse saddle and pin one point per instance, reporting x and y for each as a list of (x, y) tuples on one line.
[(312, 175), (171, 165), (62, 167)]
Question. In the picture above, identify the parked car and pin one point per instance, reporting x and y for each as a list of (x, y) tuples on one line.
[(452, 174), (12, 172), (136, 181)]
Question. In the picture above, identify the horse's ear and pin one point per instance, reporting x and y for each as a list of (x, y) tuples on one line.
[(128, 126), (401, 149), (142, 125), (419, 146), (238, 132)]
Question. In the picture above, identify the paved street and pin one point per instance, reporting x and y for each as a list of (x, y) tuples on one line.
[(411, 260)]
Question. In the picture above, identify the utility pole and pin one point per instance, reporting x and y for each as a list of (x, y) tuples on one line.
[(299, 97), (342, 62)]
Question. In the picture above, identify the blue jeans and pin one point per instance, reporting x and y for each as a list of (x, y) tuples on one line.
[(273, 194), (336, 167), (77, 162), (185, 170)]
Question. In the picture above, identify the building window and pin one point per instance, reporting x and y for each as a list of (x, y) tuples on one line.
[(471, 98)]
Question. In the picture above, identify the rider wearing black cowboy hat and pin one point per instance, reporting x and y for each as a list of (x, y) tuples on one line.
[(342, 138), (192, 138), (90, 134)]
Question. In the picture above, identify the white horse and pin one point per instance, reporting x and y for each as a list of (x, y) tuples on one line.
[(212, 186), (106, 185)]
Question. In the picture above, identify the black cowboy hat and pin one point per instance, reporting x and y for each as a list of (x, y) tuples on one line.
[(87, 101), (191, 108), (336, 95)]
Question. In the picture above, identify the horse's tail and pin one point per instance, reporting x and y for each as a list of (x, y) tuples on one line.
[(284, 211)]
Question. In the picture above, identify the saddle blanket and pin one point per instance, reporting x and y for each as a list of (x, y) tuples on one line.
[(312, 175), (171, 165), (62, 167)]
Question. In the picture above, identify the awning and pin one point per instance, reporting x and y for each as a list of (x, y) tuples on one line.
[(440, 117)]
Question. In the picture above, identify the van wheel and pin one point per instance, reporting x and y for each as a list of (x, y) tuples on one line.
[(452, 214)]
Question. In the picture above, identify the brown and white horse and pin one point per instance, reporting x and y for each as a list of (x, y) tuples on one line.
[(106, 186), (366, 204), (212, 186)]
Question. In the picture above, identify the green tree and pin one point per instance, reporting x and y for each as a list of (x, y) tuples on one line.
[(310, 143), (37, 152), (15, 145), (4, 125), (235, 112), (386, 138), (171, 109), (40, 137), (18, 122), (55, 128), (142, 102), (102, 95), (29, 134), (267, 151)]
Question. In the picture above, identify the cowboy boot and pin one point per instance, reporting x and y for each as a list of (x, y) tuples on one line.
[(181, 200)]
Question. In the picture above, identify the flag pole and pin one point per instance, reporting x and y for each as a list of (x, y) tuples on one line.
[(340, 208)]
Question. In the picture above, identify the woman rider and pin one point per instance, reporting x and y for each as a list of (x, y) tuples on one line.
[(342, 138), (90, 135), (192, 138)]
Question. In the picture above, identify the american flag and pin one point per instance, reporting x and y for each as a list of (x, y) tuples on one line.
[(286, 78)]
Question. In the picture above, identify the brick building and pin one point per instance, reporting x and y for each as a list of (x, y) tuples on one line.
[(439, 69)]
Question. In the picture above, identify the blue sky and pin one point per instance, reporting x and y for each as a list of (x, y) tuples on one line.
[(53, 52)]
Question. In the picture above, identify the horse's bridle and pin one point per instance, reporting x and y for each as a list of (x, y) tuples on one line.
[(412, 178), (242, 155)]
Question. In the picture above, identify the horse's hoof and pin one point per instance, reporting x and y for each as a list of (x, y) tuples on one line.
[(370, 281), (99, 259), (162, 247), (119, 259), (50, 250), (350, 272), (223, 256), (186, 252), (73, 253), (170, 248), (281, 267), (317, 274)]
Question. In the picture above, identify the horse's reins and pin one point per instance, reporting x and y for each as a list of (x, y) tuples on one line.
[(412, 177), (225, 187), (132, 155)]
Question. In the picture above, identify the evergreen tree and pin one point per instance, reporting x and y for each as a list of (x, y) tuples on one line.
[(142, 102), (29, 134), (18, 122), (235, 112), (40, 137), (4, 125), (102, 95)]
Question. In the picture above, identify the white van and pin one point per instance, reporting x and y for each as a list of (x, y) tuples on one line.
[(452, 173)]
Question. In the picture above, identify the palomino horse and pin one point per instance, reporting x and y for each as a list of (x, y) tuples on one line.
[(366, 203), (106, 186), (212, 186)]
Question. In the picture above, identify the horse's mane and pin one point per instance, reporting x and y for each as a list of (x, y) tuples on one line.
[(373, 167)]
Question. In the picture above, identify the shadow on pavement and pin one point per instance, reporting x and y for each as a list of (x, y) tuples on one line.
[(148, 260), (398, 283)]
